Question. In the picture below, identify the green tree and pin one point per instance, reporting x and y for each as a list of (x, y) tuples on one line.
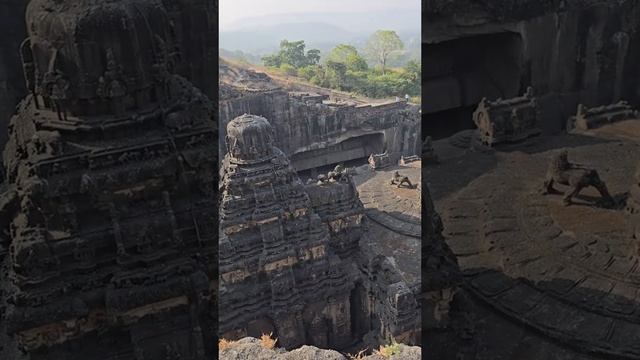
[(308, 72), (272, 60), (313, 57), (382, 44), (292, 53), (288, 69), (348, 55), (413, 71)]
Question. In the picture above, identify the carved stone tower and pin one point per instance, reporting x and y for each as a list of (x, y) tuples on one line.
[(277, 270), (110, 205)]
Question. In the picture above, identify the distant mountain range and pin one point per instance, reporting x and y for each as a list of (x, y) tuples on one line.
[(262, 35), (266, 39)]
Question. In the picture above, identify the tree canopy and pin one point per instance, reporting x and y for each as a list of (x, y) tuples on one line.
[(347, 55), (381, 45), (292, 53)]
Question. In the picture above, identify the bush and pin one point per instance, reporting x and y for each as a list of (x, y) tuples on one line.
[(288, 69), (307, 72), (267, 341), (388, 351)]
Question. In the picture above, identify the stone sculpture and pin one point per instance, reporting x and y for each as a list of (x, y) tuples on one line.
[(507, 120), (379, 161), (576, 176), (111, 211), (398, 179), (591, 118)]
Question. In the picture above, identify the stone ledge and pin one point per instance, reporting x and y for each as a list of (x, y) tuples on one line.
[(250, 348)]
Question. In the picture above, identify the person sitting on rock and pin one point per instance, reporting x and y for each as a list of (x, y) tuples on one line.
[(563, 172), (398, 180)]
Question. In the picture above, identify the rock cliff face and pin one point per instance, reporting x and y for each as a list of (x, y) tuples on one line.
[(250, 348), (314, 132), (570, 52)]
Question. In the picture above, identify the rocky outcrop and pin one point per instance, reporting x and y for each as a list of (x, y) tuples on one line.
[(314, 132), (250, 348)]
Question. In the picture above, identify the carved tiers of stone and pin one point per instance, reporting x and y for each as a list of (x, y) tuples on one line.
[(591, 118), (276, 263), (110, 159), (392, 302), (508, 120), (339, 206), (379, 161)]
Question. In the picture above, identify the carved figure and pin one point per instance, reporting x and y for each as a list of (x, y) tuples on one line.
[(398, 179), (576, 176)]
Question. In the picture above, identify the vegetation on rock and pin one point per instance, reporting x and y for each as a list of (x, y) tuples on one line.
[(345, 69)]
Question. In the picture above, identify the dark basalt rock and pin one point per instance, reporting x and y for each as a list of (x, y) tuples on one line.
[(12, 86), (110, 206), (441, 276), (508, 120), (294, 259), (275, 261), (314, 132)]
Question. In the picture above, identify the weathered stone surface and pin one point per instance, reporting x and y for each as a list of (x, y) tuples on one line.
[(568, 272), (311, 132), (295, 260), (508, 120), (570, 52), (316, 133), (269, 230), (590, 118), (250, 348), (110, 205)]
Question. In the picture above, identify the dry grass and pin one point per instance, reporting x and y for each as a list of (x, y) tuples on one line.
[(387, 351), (224, 344), (359, 355), (267, 341)]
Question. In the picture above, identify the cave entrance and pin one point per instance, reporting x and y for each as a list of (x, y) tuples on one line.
[(458, 73), (353, 151), (443, 124)]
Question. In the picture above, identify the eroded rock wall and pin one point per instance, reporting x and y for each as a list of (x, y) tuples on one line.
[(571, 52), (314, 132)]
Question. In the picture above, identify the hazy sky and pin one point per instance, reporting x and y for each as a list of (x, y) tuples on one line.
[(234, 10)]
